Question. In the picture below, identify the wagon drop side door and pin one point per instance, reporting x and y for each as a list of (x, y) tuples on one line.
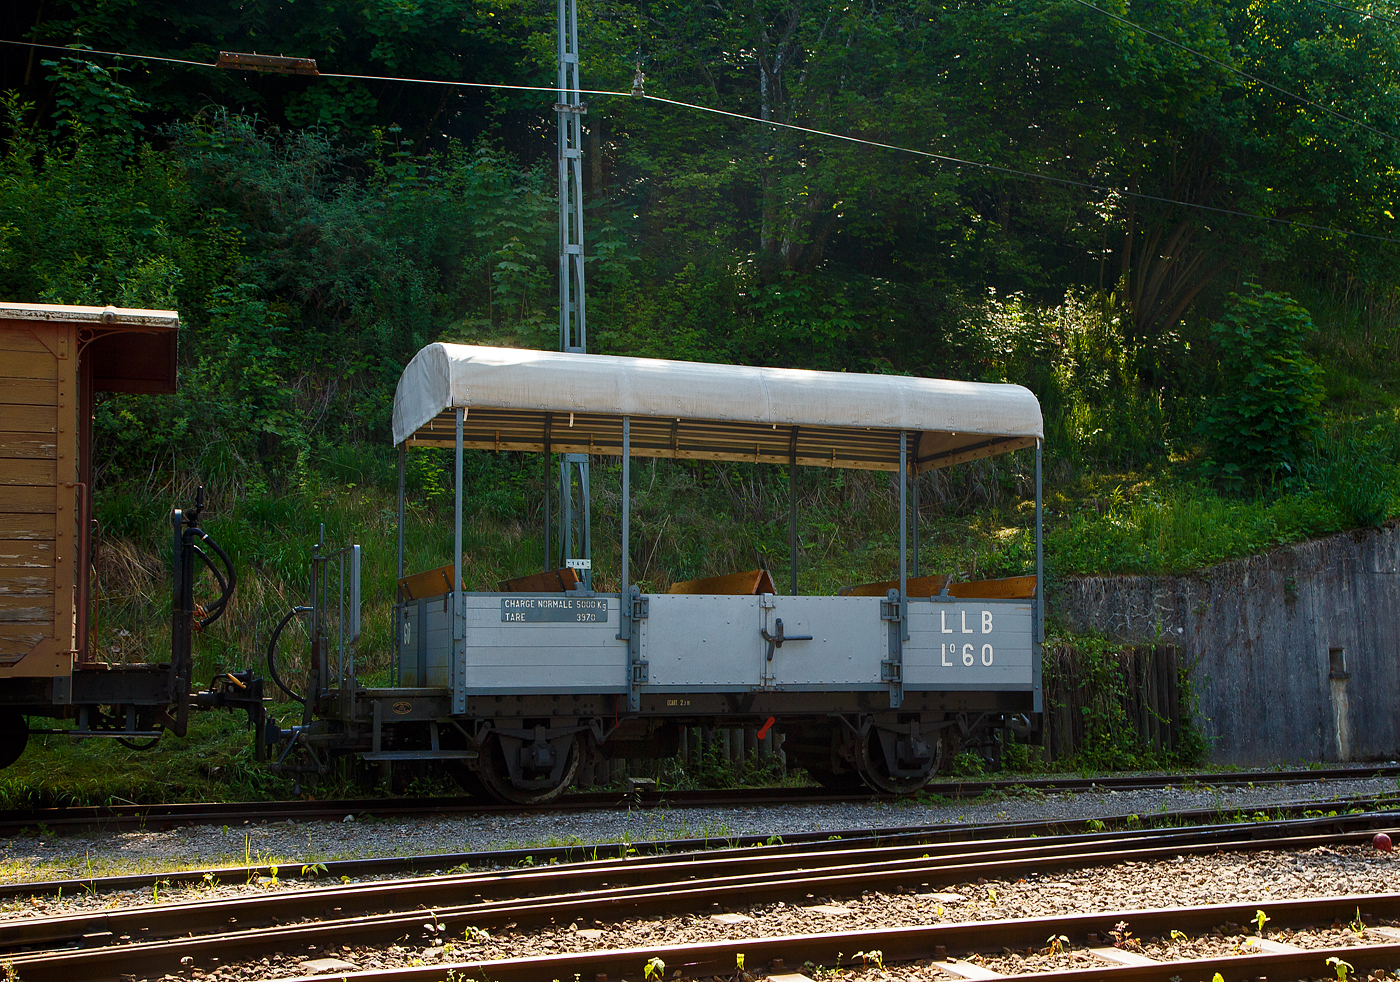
[(848, 643)]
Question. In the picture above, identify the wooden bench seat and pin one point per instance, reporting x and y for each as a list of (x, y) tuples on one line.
[(429, 583), (748, 583), (1007, 588), (918, 586), (550, 581)]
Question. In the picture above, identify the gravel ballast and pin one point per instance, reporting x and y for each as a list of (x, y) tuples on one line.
[(47, 856), (1185, 881)]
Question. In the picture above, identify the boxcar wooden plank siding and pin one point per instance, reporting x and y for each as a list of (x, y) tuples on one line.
[(25, 500), (29, 364), (20, 337), (39, 446), (26, 392), (26, 552), (29, 610), (40, 527), (31, 473), (17, 639), (25, 581), (26, 418), (38, 490)]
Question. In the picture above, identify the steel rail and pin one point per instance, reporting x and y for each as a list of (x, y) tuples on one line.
[(906, 944), (633, 852), (676, 895), (201, 813), (613, 875)]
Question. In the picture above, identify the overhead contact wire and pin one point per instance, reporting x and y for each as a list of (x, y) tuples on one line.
[(928, 154)]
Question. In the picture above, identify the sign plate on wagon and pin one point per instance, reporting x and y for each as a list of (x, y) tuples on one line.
[(572, 610)]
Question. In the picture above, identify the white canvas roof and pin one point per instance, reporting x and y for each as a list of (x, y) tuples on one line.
[(518, 399)]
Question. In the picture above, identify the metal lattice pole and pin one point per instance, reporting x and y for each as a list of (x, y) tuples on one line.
[(573, 324), (573, 329)]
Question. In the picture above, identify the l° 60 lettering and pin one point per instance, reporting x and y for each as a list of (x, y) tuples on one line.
[(968, 654)]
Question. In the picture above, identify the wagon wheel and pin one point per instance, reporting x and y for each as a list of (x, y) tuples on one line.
[(899, 763), (531, 785), (14, 735)]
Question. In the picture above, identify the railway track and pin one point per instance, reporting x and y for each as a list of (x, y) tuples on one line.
[(149, 941), (202, 813), (954, 952), (1104, 828)]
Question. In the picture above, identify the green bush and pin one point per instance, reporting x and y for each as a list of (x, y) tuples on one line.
[(1356, 470), (1266, 411)]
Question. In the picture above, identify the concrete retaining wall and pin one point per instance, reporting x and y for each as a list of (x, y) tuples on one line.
[(1294, 655)]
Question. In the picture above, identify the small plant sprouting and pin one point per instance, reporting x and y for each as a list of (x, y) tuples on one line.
[(155, 890), (1179, 935), (312, 870), (1121, 934), (1343, 969), (1094, 825), (992, 895), (1260, 919), (1217, 977), (655, 969), (476, 934), (1358, 926), (272, 875), (1056, 944), (875, 957), (210, 881)]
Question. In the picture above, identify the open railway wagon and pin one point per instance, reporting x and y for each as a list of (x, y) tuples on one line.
[(53, 361), (514, 687)]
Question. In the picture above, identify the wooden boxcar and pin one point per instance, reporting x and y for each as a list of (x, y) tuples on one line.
[(53, 361)]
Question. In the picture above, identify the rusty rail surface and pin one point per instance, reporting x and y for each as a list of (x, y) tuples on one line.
[(150, 940), (203, 813)]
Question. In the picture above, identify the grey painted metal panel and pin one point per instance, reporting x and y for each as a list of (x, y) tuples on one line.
[(849, 640), (706, 643), (514, 657), (970, 644), (426, 652), (702, 642)]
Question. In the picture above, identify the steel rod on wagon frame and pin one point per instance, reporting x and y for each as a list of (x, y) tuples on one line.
[(914, 481), (459, 609), (573, 321), (792, 509), (399, 608), (1038, 641)]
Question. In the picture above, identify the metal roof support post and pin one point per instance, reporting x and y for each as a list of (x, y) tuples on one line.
[(626, 502), (398, 599), (548, 478), (792, 509), (1039, 611), (914, 480), (903, 530), (459, 611)]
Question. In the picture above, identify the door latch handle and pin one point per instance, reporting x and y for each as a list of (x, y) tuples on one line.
[(776, 639)]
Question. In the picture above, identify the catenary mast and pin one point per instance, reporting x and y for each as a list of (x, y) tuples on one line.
[(575, 538)]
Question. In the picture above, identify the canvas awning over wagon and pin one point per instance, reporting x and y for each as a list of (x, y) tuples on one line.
[(518, 399)]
